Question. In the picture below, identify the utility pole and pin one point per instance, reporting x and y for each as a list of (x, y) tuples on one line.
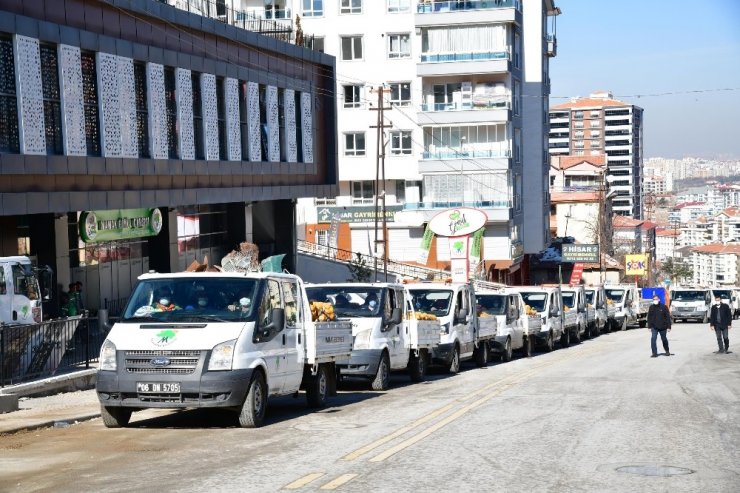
[(380, 176)]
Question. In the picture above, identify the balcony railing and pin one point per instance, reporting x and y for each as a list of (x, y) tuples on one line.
[(482, 153), (479, 105), (454, 6), (576, 188), (481, 204), (464, 57)]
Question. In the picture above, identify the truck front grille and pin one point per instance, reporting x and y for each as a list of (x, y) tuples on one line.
[(180, 362)]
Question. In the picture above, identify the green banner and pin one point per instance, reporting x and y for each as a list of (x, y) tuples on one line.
[(96, 226), (477, 243), (426, 245)]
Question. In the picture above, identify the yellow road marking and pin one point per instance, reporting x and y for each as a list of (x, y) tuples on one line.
[(300, 483), (336, 483)]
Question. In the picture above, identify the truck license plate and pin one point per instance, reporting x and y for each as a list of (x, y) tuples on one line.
[(158, 388)]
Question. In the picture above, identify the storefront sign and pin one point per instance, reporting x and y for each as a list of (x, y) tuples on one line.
[(581, 253), (476, 244), (359, 214), (426, 245), (458, 222), (96, 226), (636, 265)]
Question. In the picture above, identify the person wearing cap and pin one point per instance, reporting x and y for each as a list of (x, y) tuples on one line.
[(659, 322), (720, 320)]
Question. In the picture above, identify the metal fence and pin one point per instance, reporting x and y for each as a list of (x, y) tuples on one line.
[(30, 352)]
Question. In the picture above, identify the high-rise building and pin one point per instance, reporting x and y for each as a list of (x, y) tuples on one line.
[(459, 131), (600, 124)]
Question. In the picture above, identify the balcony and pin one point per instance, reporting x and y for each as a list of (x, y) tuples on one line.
[(435, 6), (480, 111), (465, 12), (552, 45), (496, 210), (463, 63), (446, 154)]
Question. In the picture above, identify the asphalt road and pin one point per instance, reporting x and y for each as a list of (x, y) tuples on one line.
[(600, 416)]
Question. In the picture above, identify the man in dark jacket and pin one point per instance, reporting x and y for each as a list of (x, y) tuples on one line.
[(720, 319), (659, 321)]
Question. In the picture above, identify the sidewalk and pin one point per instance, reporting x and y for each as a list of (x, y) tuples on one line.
[(61, 409)]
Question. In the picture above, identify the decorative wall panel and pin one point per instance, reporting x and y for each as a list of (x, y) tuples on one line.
[(210, 115), (184, 92), (157, 110), (273, 125), (127, 100), (307, 126), (110, 104), (30, 94), (73, 107), (253, 113), (289, 139), (233, 132)]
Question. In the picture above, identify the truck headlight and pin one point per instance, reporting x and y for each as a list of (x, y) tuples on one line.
[(107, 360), (445, 329), (362, 340), (222, 356)]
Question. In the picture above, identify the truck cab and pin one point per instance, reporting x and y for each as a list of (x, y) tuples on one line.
[(729, 296), (690, 304), (507, 307), (575, 308), (20, 293), (546, 302), (596, 299)]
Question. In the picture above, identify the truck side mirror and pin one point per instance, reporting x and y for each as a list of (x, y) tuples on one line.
[(276, 324), (554, 312), (395, 318), (461, 315)]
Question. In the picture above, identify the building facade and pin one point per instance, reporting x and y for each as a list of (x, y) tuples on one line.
[(716, 264), (454, 133), (600, 124), (137, 136)]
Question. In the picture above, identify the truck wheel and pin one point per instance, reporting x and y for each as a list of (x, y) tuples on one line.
[(576, 336), (527, 347), (706, 318), (565, 338), (550, 343), (506, 353), (481, 354), (418, 366), (455, 363), (317, 388), (382, 378), (642, 324), (253, 410), (115, 417), (624, 324)]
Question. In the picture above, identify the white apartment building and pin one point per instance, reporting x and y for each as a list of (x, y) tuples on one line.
[(666, 243), (716, 264), (696, 232), (458, 130), (600, 124)]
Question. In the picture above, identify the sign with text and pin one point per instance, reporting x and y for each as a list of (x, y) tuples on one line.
[(588, 253), (121, 224), (356, 214), (462, 221), (577, 274), (635, 265)]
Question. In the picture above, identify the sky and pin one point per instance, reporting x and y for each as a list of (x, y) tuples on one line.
[(643, 47)]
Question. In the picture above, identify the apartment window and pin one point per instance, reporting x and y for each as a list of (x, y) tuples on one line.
[(578, 124), (397, 6), (313, 8), (400, 93), (52, 99), (142, 113), (200, 152), (578, 114), (399, 46), (318, 44), (595, 144), (517, 49), (579, 134), (351, 48), (595, 124), (9, 132), (518, 145), (170, 100), (578, 143), (400, 143), (595, 114), (221, 118), (362, 192), (90, 101), (352, 96), (517, 96), (400, 191), (595, 152), (350, 7), (578, 153), (518, 192), (595, 134), (354, 144)]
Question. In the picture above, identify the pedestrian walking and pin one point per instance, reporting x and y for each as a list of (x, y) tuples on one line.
[(720, 320), (659, 322)]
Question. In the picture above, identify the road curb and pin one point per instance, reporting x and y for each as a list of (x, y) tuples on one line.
[(63, 423), (79, 380)]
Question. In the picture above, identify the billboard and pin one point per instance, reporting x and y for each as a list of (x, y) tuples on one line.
[(587, 253), (635, 265)]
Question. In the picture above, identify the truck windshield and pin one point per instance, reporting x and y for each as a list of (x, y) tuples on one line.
[(569, 299), (590, 297), (192, 299), (615, 295), (25, 282), (688, 296), (722, 293), (349, 301), (491, 304), (535, 300), (434, 301)]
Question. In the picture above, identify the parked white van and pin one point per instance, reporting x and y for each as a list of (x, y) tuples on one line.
[(547, 303), (690, 304), (511, 319)]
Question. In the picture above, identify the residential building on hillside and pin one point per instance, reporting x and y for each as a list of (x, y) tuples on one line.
[(666, 242), (688, 211), (716, 264), (696, 232), (457, 133), (600, 124), (633, 235), (726, 226)]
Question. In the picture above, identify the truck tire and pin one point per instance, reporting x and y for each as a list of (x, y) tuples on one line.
[(642, 324), (317, 388), (624, 324), (576, 336), (115, 417), (527, 347), (417, 366), (455, 362), (383, 376), (481, 354), (550, 343), (252, 412), (506, 353), (565, 338)]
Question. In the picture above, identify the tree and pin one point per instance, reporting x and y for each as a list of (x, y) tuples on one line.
[(298, 31), (359, 269), (677, 270)]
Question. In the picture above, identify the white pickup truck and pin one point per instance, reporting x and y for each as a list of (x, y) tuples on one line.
[(630, 308), (690, 304), (227, 340), (507, 307), (577, 315), (387, 335), (20, 294), (729, 296), (546, 302), (462, 334), (603, 311)]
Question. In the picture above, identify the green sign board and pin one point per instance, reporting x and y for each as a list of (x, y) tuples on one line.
[(356, 214), (96, 226), (588, 253)]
